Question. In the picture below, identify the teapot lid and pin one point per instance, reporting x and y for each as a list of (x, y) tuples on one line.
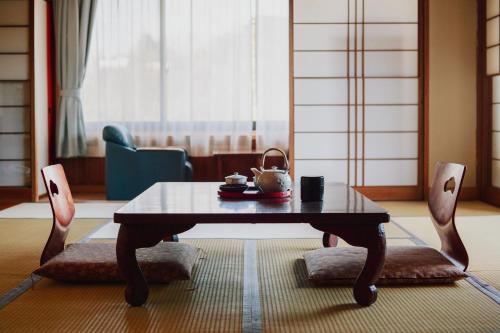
[(236, 176), (274, 169)]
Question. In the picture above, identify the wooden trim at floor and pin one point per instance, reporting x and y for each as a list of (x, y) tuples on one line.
[(88, 188), (15, 194), (468, 194), (491, 195), (402, 193), (390, 192)]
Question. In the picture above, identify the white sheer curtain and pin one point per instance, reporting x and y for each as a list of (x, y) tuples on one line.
[(272, 116), (186, 73), (209, 67)]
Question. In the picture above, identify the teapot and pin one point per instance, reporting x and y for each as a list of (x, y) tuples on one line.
[(274, 179)]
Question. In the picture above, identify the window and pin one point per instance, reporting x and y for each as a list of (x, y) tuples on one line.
[(196, 73)]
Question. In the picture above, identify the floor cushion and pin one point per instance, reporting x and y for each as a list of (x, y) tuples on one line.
[(96, 262), (403, 265)]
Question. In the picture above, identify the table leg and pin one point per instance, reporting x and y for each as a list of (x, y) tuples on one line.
[(130, 238), (373, 239)]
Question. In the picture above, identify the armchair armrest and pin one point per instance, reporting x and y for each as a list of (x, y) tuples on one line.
[(164, 164), (140, 149), (188, 171)]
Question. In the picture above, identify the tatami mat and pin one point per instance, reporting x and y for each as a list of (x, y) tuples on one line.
[(490, 277), (22, 242), (211, 302), (249, 231), (480, 235), (290, 304), (420, 208)]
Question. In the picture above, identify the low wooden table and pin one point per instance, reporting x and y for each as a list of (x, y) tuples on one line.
[(172, 208)]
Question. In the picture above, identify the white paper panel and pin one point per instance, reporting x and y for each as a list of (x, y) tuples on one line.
[(352, 121), (391, 10), (353, 175), (391, 118), (496, 89), (14, 146), (320, 37), (495, 145), (391, 36), (391, 173), (14, 120), (320, 91), (14, 93), (391, 64), (320, 118), (495, 173), (492, 8), (14, 67), (320, 145), (391, 91), (333, 171), (14, 39), (492, 31), (320, 64), (356, 144), (358, 89), (320, 11), (492, 61), (391, 145), (496, 117), (14, 12), (14, 173)]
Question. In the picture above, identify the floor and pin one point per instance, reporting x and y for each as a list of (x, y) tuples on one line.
[(283, 300)]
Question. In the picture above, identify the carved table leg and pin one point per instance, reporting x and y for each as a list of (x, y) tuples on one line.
[(373, 239), (330, 240), (130, 238)]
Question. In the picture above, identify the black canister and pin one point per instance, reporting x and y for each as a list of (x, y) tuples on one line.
[(312, 188)]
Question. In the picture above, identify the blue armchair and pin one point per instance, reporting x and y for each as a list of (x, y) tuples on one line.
[(131, 170)]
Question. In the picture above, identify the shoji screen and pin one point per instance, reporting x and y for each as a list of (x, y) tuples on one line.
[(15, 114), (493, 70), (356, 91)]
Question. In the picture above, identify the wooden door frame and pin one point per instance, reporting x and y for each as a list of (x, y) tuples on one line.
[(487, 192)]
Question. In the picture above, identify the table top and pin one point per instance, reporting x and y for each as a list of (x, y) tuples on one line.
[(198, 202)]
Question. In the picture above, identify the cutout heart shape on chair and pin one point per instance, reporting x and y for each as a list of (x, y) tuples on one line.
[(449, 185), (53, 188)]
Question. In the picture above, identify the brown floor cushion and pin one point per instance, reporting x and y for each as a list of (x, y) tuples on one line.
[(403, 265), (96, 262)]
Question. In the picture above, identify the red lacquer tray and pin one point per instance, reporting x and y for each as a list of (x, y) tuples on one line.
[(254, 195)]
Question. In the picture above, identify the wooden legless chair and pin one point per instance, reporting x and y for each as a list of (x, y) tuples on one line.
[(63, 210), (443, 199), (167, 261)]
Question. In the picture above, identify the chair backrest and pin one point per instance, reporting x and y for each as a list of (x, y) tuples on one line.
[(63, 210), (119, 135), (443, 199)]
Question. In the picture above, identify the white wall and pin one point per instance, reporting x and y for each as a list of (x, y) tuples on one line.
[(452, 85)]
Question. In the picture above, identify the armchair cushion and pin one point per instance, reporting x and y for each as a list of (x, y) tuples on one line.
[(403, 265), (118, 134), (96, 262)]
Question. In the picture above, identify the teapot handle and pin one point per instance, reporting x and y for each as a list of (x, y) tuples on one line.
[(285, 164)]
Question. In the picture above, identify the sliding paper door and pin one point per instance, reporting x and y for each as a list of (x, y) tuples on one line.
[(490, 57), (15, 94), (356, 91)]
